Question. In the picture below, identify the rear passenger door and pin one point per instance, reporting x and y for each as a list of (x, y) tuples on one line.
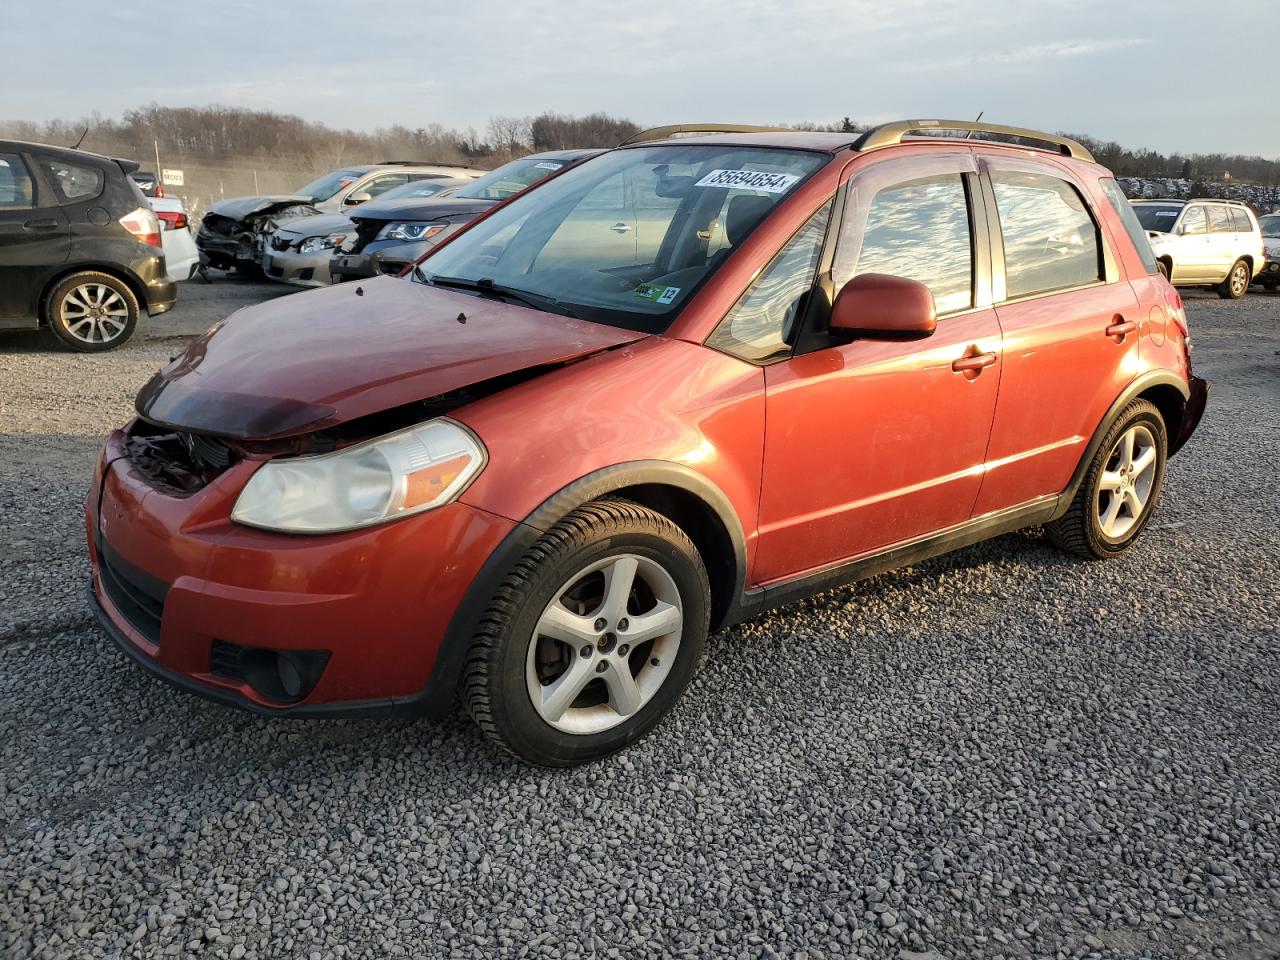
[(34, 237), (1070, 323)]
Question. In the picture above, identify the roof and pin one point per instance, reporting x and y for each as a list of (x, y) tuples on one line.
[(825, 141)]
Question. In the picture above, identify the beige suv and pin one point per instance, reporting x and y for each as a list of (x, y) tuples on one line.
[(1215, 243)]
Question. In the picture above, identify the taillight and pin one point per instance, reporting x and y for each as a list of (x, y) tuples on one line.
[(172, 221), (159, 189), (144, 225)]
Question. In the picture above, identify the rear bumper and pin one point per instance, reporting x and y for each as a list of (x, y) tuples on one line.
[(1192, 413), (158, 291), (175, 582)]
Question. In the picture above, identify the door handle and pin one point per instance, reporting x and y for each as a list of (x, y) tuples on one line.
[(1121, 328), (49, 224), (620, 228), (973, 363)]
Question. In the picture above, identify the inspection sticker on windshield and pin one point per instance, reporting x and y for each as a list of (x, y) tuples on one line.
[(545, 165), (749, 180), (656, 292)]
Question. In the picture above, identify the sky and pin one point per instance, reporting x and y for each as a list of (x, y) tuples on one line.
[(1172, 76)]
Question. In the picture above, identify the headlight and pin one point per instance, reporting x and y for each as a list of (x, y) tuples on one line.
[(394, 476), (412, 232), (316, 244)]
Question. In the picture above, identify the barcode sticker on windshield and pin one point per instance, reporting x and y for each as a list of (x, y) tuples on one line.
[(545, 165), (749, 180)]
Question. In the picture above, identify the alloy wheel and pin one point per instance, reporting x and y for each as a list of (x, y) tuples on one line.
[(605, 644), (94, 313), (1127, 482), (1239, 279)]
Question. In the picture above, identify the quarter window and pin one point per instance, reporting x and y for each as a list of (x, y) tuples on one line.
[(15, 183), (1132, 225), (1050, 239), (1240, 221), (759, 327), (920, 230), (74, 181), (1220, 220)]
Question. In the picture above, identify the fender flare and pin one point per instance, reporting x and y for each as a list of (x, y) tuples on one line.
[(1154, 378), (437, 697)]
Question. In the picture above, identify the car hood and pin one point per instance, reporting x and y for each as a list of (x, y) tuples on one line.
[(422, 208), (309, 361), (320, 226), (237, 208)]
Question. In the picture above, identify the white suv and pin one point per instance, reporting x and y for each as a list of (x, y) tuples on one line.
[(1213, 243), (1269, 275)]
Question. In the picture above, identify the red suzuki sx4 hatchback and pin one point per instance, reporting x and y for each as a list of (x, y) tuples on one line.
[(684, 381)]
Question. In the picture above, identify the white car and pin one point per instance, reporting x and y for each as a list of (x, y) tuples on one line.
[(181, 257), (1213, 243), (1269, 275)]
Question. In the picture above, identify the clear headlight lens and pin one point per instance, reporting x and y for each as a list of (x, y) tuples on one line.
[(412, 232), (394, 476), (316, 244)]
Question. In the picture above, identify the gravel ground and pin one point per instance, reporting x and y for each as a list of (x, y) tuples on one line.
[(1001, 753)]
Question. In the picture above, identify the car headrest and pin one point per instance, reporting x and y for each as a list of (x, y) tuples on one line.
[(744, 212)]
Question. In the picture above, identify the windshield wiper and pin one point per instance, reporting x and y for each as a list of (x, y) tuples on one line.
[(486, 285)]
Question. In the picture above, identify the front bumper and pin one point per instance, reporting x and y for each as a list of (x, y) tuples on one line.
[(379, 258), (174, 581), (1269, 274), (299, 269)]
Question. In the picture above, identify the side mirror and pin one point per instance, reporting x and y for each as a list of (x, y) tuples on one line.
[(875, 306), (361, 196)]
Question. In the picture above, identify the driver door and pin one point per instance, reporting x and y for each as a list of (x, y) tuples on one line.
[(872, 443)]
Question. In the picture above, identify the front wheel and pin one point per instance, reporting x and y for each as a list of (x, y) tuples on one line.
[(1119, 491), (1237, 283), (591, 638)]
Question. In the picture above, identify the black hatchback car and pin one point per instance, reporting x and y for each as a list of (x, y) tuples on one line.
[(80, 248)]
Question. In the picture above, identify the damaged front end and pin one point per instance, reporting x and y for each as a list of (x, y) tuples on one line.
[(233, 233)]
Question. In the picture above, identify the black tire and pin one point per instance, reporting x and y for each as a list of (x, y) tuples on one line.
[(1237, 283), (494, 682), (71, 323), (1165, 270), (1079, 531)]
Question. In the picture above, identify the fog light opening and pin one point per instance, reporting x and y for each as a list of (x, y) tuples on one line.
[(284, 676)]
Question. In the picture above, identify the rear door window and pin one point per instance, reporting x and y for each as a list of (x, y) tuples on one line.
[(1220, 220), (1050, 239), (73, 182), (16, 189)]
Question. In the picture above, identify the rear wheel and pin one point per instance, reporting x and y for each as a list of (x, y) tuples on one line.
[(1119, 491), (1237, 283), (91, 312), (591, 638)]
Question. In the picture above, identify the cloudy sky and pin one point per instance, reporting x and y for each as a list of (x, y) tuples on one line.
[(1171, 75)]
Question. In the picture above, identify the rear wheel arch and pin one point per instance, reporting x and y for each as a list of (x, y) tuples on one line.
[(136, 286)]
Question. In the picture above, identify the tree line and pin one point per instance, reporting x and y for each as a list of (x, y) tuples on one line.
[(217, 134)]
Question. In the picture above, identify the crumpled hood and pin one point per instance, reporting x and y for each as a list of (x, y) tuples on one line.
[(320, 226), (237, 208), (422, 208), (313, 360)]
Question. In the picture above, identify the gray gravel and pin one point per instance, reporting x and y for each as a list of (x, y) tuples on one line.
[(1001, 753)]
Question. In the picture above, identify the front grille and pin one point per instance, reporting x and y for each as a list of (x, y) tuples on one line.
[(138, 596), (224, 660), (366, 230), (177, 462)]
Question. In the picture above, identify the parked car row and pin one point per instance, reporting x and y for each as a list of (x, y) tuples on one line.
[(534, 473)]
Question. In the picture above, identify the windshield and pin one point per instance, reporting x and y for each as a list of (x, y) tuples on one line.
[(626, 238), (1157, 216), (1270, 226), (329, 184), (418, 188), (510, 178)]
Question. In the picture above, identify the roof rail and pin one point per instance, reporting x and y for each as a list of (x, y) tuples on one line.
[(891, 134), (662, 133), (418, 163)]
